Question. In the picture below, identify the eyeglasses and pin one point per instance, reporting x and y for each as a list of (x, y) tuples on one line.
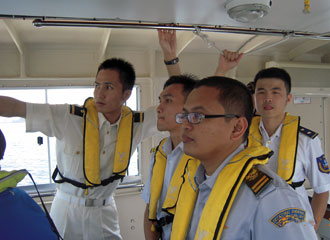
[(195, 117)]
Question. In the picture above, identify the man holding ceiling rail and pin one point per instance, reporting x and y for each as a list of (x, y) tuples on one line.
[(168, 160)]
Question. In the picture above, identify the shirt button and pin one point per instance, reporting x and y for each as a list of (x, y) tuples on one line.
[(103, 152), (108, 132), (269, 142), (78, 152)]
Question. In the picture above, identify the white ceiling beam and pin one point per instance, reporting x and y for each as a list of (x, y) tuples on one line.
[(253, 43), (152, 63), (306, 47), (104, 43), (297, 65), (18, 43), (184, 40)]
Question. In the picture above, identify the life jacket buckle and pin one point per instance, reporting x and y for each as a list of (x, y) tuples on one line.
[(94, 202)]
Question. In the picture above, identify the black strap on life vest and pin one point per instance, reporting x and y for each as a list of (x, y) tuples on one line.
[(295, 185), (83, 185), (160, 223), (138, 117)]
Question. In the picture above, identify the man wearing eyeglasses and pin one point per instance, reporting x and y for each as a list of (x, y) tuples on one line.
[(233, 195), (168, 160)]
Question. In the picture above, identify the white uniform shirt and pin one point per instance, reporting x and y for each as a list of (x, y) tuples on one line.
[(56, 120), (306, 161), (250, 217), (173, 158)]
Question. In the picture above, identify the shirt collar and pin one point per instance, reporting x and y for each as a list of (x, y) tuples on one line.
[(264, 132), (200, 174), (103, 120), (167, 147)]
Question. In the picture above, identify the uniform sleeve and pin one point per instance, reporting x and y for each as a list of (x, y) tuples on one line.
[(51, 120), (317, 169), (146, 190), (283, 214), (149, 127)]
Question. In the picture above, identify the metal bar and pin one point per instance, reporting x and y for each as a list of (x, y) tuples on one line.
[(180, 27), (40, 21)]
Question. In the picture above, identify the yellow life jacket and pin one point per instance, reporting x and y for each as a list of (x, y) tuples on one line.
[(91, 148), (158, 172), (288, 144), (91, 143), (222, 196)]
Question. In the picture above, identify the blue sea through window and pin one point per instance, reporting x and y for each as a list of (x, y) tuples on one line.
[(23, 150)]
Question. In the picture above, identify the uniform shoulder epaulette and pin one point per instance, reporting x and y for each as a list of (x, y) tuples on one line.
[(76, 110), (308, 132), (257, 180), (138, 116), (154, 149)]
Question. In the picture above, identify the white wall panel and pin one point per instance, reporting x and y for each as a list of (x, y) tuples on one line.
[(131, 212), (314, 116), (9, 64)]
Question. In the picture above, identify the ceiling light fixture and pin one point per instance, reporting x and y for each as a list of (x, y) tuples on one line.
[(247, 10)]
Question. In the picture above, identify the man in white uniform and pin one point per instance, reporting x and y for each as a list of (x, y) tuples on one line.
[(234, 194), (282, 133), (91, 161)]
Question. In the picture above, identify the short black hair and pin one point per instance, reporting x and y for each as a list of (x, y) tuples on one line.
[(188, 81), (2, 145), (251, 87), (234, 96), (275, 73), (125, 69)]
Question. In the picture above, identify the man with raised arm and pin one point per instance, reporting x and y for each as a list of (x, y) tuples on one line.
[(168, 43), (233, 195), (162, 188), (227, 61), (168, 161), (167, 39), (94, 144)]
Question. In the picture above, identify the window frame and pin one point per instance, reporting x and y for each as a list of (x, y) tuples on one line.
[(50, 188)]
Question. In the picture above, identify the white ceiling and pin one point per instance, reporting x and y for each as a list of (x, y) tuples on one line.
[(284, 14), (16, 33)]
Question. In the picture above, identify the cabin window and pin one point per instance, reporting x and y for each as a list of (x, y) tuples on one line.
[(35, 151)]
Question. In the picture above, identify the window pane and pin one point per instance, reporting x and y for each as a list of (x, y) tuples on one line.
[(70, 96), (133, 103), (23, 150)]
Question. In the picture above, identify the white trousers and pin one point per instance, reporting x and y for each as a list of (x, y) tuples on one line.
[(75, 221)]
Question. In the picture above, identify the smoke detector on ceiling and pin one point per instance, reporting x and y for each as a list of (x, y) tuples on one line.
[(247, 10)]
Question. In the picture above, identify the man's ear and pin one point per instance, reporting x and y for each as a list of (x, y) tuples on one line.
[(289, 98), (239, 129), (126, 95)]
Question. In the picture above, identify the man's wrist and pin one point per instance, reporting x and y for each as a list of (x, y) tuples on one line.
[(220, 72), (172, 61)]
